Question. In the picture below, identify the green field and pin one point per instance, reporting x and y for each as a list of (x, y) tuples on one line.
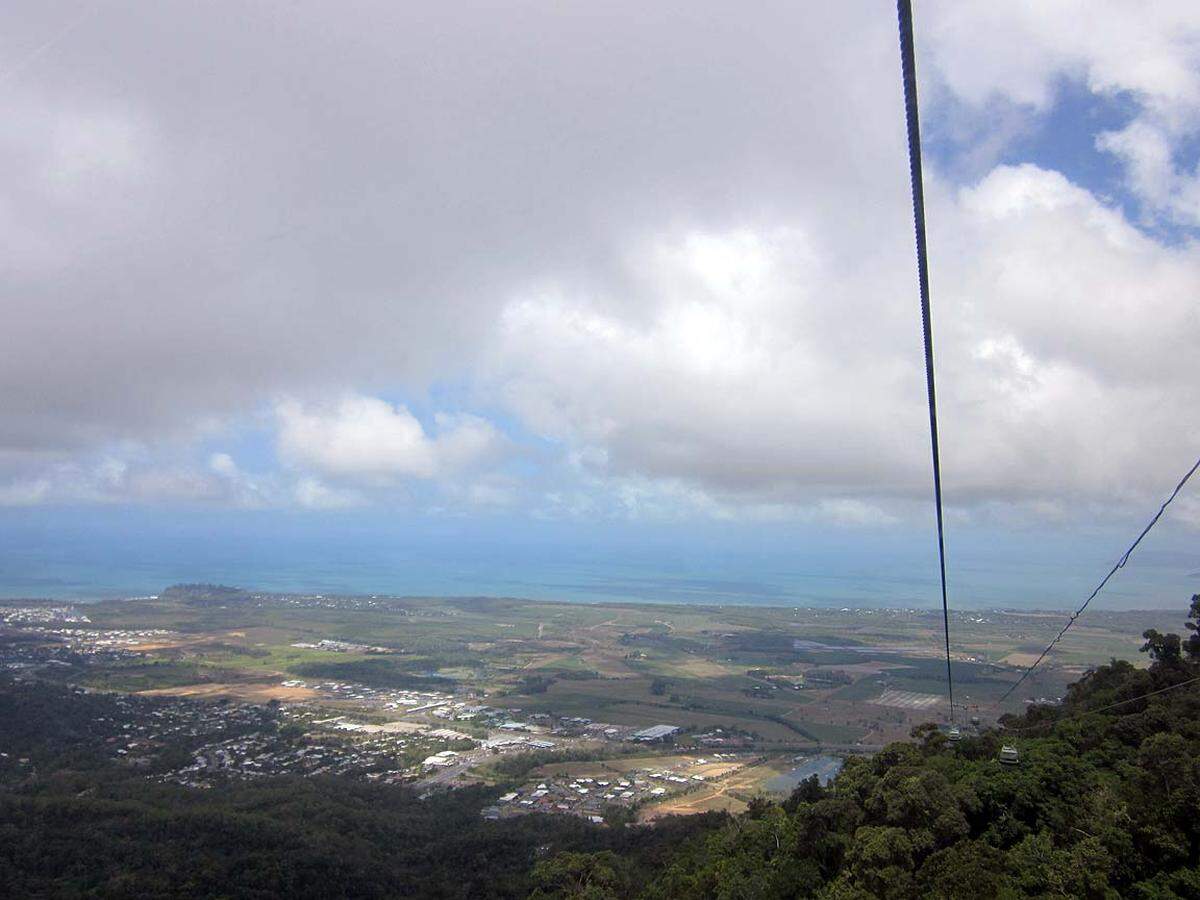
[(699, 668)]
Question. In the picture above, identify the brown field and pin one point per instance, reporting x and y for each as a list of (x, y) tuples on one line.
[(257, 692), (148, 646), (705, 800), (727, 793), (699, 667), (862, 668), (1017, 658), (713, 769), (181, 641), (607, 664)]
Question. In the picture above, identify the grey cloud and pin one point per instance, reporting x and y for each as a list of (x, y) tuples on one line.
[(210, 206), (209, 202)]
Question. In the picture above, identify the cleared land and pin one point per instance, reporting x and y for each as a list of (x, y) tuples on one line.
[(731, 791), (256, 693), (908, 700), (729, 677)]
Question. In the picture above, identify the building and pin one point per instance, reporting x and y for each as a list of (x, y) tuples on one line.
[(655, 733), (438, 760)]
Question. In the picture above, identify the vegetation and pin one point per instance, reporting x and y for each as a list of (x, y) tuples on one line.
[(515, 766), (378, 673), (73, 822), (1105, 802), (204, 594), (302, 838)]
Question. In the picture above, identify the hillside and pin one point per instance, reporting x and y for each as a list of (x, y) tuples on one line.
[(1105, 802)]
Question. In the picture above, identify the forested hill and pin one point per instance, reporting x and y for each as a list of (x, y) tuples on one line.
[(1105, 802)]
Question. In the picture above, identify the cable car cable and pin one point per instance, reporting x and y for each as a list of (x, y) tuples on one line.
[(1120, 565), (909, 70)]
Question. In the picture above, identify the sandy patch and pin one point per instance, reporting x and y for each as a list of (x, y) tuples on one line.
[(707, 800), (698, 667), (147, 646), (258, 693), (1017, 658)]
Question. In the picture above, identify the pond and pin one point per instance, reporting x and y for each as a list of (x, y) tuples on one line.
[(824, 767)]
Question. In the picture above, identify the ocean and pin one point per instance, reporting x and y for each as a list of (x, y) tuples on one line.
[(92, 553)]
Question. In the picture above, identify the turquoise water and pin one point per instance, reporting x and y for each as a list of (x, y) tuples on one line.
[(111, 552), (607, 579), (45, 553)]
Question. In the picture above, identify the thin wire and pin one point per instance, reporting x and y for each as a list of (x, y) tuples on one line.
[(1087, 712), (909, 67), (1111, 572)]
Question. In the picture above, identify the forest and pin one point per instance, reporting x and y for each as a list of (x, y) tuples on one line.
[(1104, 802)]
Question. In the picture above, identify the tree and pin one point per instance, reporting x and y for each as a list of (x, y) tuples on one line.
[(581, 876), (807, 791), (1163, 648), (1192, 645)]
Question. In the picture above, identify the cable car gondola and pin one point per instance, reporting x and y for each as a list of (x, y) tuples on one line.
[(1009, 755)]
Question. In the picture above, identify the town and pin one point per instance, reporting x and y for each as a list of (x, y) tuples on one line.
[(569, 712)]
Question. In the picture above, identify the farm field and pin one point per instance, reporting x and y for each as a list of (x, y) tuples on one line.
[(771, 679), (611, 714)]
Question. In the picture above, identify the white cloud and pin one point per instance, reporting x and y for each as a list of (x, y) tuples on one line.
[(223, 464), (24, 493), (312, 494), (1145, 53), (369, 440), (767, 376), (1148, 149), (137, 477), (243, 489), (1019, 50), (854, 512), (696, 288)]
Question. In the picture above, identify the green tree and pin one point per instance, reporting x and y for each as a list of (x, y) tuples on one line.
[(1164, 648), (1192, 645), (581, 876)]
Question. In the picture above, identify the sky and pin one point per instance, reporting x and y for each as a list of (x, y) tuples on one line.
[(509, 298)]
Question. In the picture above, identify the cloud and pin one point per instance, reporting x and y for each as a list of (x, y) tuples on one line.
[(745, 364), (854, 512), (132, 475), (669, 248), (353, 215), (368, 440), (1148, 149), (1022, 50), (312, 494), (115, 481), (356, 440), (1147, 55), (24, 493)]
